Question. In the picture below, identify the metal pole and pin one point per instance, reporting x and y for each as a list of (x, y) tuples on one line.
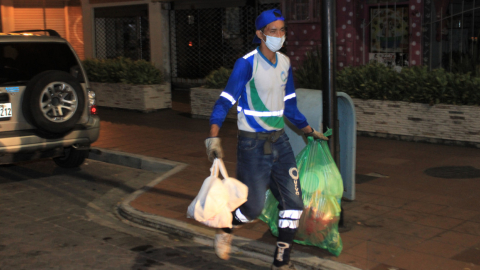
[(441, 38), (224, 15), (364, 43), (423, 36), (410, 50), (403, 54), (328, 72), (139, 38), (385, 26), (473, 24), (329, 94), (431, 39), (461, 34), (199, 68), (451, 37), (395, 31)]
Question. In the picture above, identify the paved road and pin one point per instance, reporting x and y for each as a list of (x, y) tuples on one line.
[(53, 218)]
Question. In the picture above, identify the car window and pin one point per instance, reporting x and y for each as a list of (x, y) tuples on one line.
[(21, 61)]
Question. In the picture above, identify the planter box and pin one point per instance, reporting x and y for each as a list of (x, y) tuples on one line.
[(441, 123), (202, 101), (445, 124), (143, 98)]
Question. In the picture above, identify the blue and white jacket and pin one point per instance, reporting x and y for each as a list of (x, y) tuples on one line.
[(265, 93)]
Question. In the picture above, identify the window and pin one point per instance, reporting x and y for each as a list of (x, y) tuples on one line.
[(302, 10), (389, 29), (21, 61), (35, 14)]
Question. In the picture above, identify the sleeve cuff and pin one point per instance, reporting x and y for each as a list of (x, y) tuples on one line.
[(216, 122)]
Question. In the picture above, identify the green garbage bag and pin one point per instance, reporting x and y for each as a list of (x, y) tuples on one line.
[(322, 190)]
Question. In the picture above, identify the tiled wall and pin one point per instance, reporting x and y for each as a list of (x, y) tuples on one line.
[(441, 123), (202, 101), (416, 121)]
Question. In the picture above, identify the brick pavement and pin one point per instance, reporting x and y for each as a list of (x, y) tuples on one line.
[(404, 219), (55, 218)]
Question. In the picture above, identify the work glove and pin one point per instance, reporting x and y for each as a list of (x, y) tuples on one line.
[(214, 148), (316, 135)]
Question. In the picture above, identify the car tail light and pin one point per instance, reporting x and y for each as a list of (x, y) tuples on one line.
[(92, 102)]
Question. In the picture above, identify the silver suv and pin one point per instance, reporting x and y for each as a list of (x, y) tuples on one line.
[(46, 107)]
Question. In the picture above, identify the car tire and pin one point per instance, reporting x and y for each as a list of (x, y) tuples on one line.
[(73, 158), (53, 102)]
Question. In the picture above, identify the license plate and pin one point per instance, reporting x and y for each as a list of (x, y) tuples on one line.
[(5, 110)]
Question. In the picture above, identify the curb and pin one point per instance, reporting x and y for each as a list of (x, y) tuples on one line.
[(136, 161), (198, 234)]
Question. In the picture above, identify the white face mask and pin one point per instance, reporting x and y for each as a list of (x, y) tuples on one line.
[(274, 43)]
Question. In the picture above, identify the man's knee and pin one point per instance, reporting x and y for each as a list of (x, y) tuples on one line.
[(296, 203)]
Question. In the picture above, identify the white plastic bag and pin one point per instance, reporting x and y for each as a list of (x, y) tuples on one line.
[(218, 198)]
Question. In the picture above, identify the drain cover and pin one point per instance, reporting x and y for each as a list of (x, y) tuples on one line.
[(453, 172)]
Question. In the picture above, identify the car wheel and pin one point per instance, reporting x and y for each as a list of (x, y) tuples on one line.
[(73, 158), (53, 102)]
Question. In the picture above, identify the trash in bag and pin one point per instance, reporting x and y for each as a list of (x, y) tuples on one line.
[(217, 198), (322, 190)]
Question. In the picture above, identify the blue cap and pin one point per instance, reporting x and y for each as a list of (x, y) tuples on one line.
[(266, 18)]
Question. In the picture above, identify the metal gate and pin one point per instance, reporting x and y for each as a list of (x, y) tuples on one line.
[(122, 31), (451, 32), (203, 40)]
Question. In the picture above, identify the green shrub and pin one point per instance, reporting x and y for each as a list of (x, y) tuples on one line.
[(372, 81), (412, 84), (309, 74), (122, 70), (218, 79), (376, 81), (465, 63)]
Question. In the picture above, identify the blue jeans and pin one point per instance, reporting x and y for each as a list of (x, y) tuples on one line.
[(277, 171)]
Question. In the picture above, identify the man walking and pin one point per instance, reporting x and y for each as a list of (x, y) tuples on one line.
[(262, 82)]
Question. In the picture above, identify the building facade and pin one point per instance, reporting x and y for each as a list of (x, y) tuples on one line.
[(65, 17), (366, 30), (188, 39), (434, 33), (137, 29)]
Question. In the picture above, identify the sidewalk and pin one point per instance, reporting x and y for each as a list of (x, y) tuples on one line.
[(402, 218)]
